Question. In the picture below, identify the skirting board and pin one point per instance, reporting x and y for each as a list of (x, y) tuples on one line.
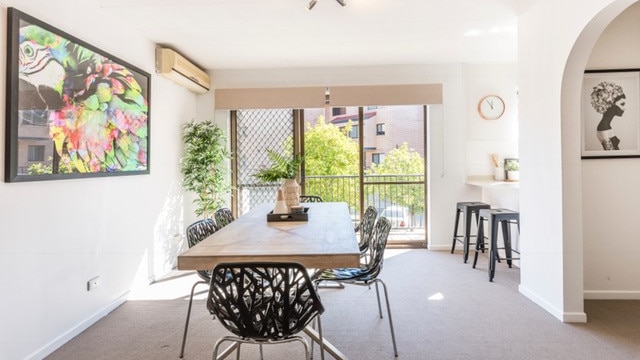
[(566, 317), (73, 332), (611, 295)]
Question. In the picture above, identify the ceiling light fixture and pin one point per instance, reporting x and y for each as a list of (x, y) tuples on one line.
[(312, 3)]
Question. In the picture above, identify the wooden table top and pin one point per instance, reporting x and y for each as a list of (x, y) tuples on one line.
[(326, 240)]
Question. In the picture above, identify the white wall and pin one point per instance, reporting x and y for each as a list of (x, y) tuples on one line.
[(55, 235), (552, 59), (611, 247), (499, 136), (459, 142)]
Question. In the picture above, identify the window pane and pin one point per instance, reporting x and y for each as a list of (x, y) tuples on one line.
[(36, 153)]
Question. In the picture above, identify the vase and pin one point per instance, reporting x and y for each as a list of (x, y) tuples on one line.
[(513, 175), (291, 191), (281, 206)]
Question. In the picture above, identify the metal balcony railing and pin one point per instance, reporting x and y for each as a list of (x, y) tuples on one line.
[(400, 198)]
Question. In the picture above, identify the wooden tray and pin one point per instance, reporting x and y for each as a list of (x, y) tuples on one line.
[(303, 216)]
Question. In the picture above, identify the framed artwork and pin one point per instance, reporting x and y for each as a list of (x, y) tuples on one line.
[(73, 111), (610, 114)]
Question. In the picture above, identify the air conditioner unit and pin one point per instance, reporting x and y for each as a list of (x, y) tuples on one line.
[(174, 66)]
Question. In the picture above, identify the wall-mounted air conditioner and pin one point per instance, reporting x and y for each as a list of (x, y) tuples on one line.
[(174, 66)]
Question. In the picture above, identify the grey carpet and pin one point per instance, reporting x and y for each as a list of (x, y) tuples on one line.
[(442, 309)]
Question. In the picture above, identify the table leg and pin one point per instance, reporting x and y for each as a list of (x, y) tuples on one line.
[(328, 347)]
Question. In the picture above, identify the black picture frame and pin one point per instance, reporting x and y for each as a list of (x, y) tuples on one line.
[(72, 110), (610, 114)]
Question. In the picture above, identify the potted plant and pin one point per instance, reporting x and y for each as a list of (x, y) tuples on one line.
[(285, 169), (203, 168), (512, 167)]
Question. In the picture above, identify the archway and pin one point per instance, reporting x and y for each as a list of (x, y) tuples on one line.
[(572, 165)]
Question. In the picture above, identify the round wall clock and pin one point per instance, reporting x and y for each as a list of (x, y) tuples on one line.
[(491, 107)]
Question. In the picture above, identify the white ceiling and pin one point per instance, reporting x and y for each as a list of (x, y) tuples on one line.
[(241, 34)]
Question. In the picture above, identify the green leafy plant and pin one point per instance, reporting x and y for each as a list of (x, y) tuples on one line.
[(512, 165), (203, 165), (281, 167)]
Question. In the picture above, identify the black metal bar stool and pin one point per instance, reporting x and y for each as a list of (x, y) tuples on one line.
[(469, 208), (504, 217)]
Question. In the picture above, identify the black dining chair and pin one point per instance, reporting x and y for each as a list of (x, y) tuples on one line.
[(368, 272), (223, 217), (365, 229), (263, 303), (310, 199), (197, 232)]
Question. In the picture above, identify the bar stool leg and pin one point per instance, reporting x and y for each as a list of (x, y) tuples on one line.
[(467, 234), (494, 245), (455, 230), (506, 237), (479, 241)]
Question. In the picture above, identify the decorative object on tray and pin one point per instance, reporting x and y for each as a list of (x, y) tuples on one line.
[(281, 206), (498, 171), (300, 216), (286, 169), (297, 209)]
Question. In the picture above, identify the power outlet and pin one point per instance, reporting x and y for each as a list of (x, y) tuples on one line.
[(93, 283)]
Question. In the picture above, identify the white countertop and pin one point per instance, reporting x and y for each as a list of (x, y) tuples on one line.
[(488, 181)]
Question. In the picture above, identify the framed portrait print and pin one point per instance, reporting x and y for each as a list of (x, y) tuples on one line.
[(610, 114), (73, 110)]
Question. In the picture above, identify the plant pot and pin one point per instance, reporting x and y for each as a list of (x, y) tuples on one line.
[(513, 175), (291, 192)]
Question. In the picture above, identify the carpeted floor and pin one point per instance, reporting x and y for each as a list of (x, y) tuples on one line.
[(442, 309)]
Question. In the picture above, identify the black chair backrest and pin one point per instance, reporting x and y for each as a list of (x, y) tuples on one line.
[(377, 247), (223, 217), (310, 199), (197, 232), (366, 227), (263, 300)]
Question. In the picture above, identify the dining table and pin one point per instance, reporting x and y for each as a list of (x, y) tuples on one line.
[(325, 239)]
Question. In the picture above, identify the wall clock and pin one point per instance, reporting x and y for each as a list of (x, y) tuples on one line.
[(491, 107)]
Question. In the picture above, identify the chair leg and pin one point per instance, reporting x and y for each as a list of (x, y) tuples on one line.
[(393, 334), (313, 325), (378, 296), (261, 353), (321, 338), (186, 324), (217, 346)]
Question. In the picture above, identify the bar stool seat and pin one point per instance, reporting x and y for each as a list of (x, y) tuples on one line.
[(469, 208), (496, 217)]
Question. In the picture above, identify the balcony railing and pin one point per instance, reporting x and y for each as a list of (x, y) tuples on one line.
[(397, 197)]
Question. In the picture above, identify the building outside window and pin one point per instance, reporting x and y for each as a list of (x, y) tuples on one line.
[(377, 158), (336, 111), (35, 153), (354, 132), (380, 129)]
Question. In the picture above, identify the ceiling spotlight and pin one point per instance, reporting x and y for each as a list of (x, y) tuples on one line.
[(312, 3), (342, 2)]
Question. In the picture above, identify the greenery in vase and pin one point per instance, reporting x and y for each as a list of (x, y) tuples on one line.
[(512, 165), (203, 168), (281, 168)]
